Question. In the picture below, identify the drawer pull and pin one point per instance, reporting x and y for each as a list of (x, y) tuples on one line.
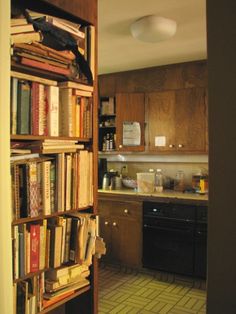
[(120, 146), (106, 223), (114, 224), (171, 145), (126, 211), (180, 145)]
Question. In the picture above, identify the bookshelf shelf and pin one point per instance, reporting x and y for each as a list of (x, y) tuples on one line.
[(41, 137), (41, 217), (63, 301)]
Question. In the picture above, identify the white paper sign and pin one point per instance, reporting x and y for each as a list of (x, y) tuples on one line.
[(131, 133), (160, 141)]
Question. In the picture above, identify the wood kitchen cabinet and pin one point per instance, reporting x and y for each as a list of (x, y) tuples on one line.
[(121, 229), (179, 118), (130, 107)]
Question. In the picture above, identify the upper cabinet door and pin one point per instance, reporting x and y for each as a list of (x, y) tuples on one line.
[(191, 120), (161, 121), (177, 121), (130, 120)]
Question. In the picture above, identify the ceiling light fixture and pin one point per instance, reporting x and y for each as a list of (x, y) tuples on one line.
[(153, 28)]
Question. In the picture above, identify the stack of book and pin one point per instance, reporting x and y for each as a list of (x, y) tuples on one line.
[(60, 282), (28, 50)]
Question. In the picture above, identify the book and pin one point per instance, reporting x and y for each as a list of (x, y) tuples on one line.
[(74, 238), (68, 182), (83, 93), (34, 247), (44, 66), (65, 112), (25, 28), (67, 239), (52, 95), (55, 246), (46, 187), (33, 189), (23, 107), (75, 85), (14, 97), (26, 37)]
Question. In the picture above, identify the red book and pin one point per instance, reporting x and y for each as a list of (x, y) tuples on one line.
[(35, 108), (34, 247), (44, 66)]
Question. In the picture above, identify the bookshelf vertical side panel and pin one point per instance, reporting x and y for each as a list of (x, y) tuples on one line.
[(6, 306)]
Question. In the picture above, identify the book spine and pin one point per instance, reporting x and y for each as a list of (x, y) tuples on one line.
[(14, 91), (46, 187), (42, 109), (33, 190), (68, 182), (23, 110), (53, 110), (65, 112), (53, 186), (35, 108), (34, 247), (45, 66)]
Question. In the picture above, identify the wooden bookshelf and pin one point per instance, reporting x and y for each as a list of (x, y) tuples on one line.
[(83, 12)]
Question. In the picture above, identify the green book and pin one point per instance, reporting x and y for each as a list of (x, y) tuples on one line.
[(23, 108)]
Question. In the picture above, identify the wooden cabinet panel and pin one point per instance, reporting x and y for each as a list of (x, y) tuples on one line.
[(190, 119), (180, 116), (130, 107), (161, 119), (122, 231)]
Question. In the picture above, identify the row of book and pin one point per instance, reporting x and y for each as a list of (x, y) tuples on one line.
[(46, 185), (52, 243), (49, 110), (28, 50)]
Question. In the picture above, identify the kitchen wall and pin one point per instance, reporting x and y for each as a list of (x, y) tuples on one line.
[(169, 169)]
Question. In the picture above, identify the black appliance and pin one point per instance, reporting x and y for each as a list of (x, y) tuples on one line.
[(168, 237), (200, 258), (102, 169)]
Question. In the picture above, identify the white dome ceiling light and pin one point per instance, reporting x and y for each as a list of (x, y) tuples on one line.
[(152, 28)]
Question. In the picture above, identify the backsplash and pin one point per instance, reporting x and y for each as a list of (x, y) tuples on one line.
[(168, 169)]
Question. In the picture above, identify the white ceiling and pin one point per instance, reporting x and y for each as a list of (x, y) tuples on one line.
[(118, 51)]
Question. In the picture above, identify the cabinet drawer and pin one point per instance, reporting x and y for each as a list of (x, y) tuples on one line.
[(120, 209)]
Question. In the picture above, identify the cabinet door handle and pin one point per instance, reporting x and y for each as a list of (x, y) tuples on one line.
[(126, 211), (120, 146), (180, 145), (114, 224), (171, 145), (106, 223)]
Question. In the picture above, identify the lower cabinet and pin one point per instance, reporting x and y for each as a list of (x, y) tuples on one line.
[(121, 229)]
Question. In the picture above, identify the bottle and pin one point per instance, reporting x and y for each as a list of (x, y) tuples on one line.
[(159, 181)]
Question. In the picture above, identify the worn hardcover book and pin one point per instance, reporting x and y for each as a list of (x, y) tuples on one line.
[(55, 250), (68, 182), (74, 238)]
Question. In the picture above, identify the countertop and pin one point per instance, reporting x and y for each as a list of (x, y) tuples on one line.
[(165, 196)]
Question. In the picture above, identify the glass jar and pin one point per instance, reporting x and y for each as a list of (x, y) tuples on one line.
[(179, 181)]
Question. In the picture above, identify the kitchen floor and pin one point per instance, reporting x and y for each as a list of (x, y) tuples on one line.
[(124, 290)]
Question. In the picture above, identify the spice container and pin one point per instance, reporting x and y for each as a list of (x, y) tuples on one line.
[(179, 181)]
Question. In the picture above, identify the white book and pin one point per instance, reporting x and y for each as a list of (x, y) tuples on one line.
[(53, 110)]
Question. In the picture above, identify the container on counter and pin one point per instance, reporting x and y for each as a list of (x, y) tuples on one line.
[(145, 182), (179, 184), (158, 181)]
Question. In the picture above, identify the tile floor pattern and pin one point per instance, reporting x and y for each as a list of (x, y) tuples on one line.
[(123, 290)]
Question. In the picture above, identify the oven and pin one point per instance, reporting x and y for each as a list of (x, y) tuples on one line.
[(200, 253), (168, 237)]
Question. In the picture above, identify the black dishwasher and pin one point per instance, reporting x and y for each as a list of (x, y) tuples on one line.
[(168, 237)]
